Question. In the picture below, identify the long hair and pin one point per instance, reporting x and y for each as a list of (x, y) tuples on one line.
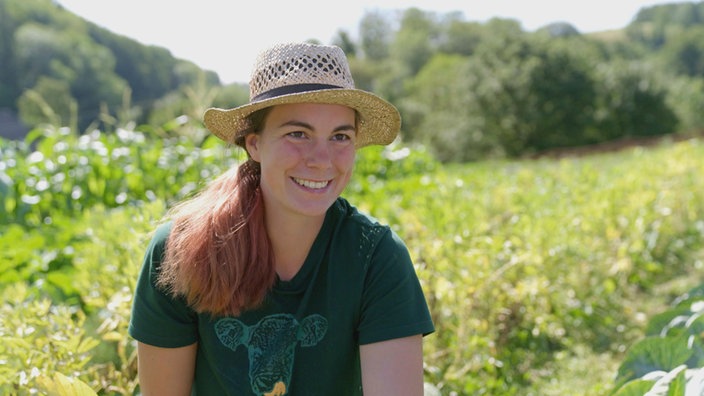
[(218, 254)]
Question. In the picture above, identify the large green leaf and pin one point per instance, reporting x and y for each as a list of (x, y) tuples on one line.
[(662, 323), (637, 387), (697, 347), (695, 323), (654, 354)]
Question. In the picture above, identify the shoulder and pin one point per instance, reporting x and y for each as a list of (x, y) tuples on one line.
[(350, 216), (161, 232), (157, 244), (365, 233), (351, 220)]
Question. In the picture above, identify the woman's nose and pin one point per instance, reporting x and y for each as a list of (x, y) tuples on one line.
[(319, 155)]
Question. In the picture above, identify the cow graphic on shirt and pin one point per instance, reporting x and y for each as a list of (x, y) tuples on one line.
[(271, 346)]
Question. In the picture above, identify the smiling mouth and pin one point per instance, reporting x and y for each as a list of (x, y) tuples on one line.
[(316, 185)]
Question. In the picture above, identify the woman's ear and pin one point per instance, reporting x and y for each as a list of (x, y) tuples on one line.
[(251, 143)]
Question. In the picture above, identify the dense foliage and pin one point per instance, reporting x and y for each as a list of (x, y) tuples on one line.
[(539, 274), (493, 89), (59, 67)]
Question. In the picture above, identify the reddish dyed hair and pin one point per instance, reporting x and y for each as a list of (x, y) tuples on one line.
[(218, 255)]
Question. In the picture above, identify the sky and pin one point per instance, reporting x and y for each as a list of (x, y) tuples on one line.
[(225, 36)]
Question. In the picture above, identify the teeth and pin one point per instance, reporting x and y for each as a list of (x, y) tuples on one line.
[(310, 183)]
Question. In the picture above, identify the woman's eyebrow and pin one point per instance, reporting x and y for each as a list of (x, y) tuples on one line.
[(296, 123), (346, 127), (301, 124)]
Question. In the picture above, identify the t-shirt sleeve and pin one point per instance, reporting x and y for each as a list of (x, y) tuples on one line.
[(393, 304), (157, 318)]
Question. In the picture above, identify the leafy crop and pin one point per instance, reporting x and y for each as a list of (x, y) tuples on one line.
[(528, 266)]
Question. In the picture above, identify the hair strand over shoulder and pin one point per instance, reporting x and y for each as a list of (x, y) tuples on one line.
[(218, 254)]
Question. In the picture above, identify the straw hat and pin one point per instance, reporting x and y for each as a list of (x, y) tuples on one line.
[(307, 73)]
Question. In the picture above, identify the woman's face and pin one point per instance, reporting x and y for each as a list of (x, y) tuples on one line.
[(306, 152)]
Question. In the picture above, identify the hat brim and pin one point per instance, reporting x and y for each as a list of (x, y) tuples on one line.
[(379, 120)]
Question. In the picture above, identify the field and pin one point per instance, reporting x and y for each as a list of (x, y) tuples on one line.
[(540, 274)]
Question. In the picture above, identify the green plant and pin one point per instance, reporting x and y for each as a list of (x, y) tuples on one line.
[(39, 337), (529, 267), (670, 361)]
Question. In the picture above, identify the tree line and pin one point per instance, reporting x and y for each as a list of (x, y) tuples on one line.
[(59, 68), (466, 90)]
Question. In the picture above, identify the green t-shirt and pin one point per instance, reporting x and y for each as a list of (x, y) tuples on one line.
[(357, 286)]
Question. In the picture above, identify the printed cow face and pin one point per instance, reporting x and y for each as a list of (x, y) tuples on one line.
[(271, 346)]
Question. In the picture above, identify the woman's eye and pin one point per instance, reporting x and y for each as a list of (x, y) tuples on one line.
[(341, 137), (296, 134)]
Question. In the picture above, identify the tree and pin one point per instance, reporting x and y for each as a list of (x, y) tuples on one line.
[(415, 41), (562, 96), (375, 34), (686, 98), (412, 47), (448, 111), (631, 103), (49, 101), (516, 93), (366, 74), (8, 82), (684, 53), (653, 26), (343, 40), (149, 70), (559, 29), (499, 76), (68, 56), (461, 37), (36, 47)]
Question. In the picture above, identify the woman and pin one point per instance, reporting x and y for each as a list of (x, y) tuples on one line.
[(268, 282)]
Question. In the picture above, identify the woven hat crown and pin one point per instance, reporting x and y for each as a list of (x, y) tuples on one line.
[(292, 64)]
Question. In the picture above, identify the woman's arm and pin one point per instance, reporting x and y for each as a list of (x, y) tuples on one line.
[(393, 367), (166, 371)]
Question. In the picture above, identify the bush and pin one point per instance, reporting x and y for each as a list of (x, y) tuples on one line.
[(39, 337), (69, 314)]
